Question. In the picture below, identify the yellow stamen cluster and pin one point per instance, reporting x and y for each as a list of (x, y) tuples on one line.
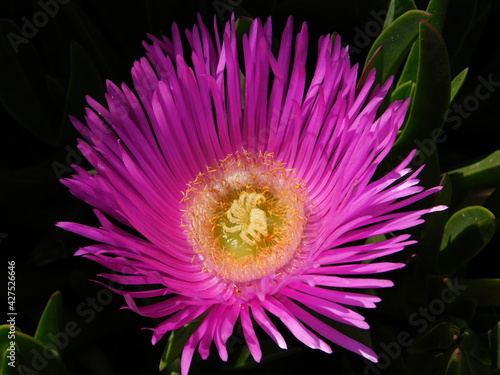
[(246, 216)]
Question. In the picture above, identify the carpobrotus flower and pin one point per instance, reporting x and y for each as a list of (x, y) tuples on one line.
[(249, 188)]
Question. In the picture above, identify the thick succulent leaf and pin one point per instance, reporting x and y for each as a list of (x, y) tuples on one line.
[(457, 83), (403, 91), (32, 355), (431, 98), (398, 8), (7, 351), (483, 173), (437, 8), (466, 233), (50, 321), (396, 41), (492, 203)]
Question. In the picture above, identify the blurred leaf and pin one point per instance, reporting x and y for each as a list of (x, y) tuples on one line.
[(482, 173), (493, 336), (457, 83), (22, 90), (485, 291), (93, 39), (50, 322), (84, 79), (430, 102), (398, 8), (396, 41), (242, 27), (448, 347), (26, 186), (439, 336), (465, 31), (466, 233)]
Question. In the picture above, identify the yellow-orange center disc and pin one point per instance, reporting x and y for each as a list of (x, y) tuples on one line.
[(246, 216)]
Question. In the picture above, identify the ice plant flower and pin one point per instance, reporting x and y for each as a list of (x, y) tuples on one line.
[(248, 188)]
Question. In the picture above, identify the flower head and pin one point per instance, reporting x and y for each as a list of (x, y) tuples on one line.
[(249, 187)]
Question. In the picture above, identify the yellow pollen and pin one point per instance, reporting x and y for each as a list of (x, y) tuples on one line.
[(246, 217), (249, 220)]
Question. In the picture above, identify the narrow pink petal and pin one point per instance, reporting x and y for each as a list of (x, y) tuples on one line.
[(249, 333), (299, 331), (266, 324), (329, 332)]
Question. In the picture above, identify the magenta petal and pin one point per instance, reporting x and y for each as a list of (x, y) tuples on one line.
[(249, 333)]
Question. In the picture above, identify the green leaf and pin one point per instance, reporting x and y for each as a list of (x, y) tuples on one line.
[(270, 351), (480, 174), (176, 343), (396, 9), (430, 102), (439, 336), (492, 203), (438, 10), (448, 347), (485, 291), (32, 355), (396, 41), (50, 322), (404, 91), (466, 233), (457, 83), (242, 27)]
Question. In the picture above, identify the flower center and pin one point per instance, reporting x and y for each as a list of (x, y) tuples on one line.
[(248, 220), (245, 217)]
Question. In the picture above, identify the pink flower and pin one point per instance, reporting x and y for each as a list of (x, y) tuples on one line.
[(249, 186)]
